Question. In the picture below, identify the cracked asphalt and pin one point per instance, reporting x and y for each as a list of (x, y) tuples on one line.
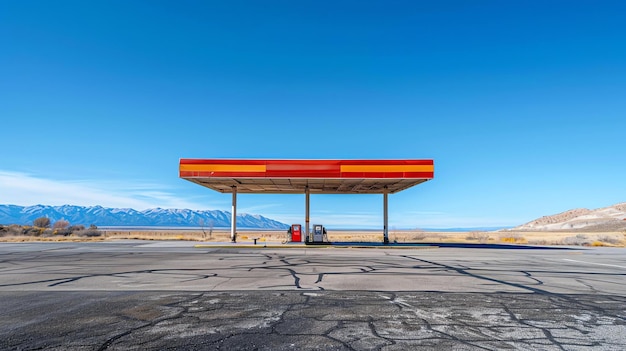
[(134, 295)]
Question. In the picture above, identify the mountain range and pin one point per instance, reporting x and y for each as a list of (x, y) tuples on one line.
[(128, 217), (605, 219)]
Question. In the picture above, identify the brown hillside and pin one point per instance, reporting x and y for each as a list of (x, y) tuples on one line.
[(560, 217), (611, 218)]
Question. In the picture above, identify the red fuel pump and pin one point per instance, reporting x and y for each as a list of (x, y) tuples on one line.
[(296, 233)]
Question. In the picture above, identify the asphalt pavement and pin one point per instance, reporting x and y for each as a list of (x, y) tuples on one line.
[(145, 295)]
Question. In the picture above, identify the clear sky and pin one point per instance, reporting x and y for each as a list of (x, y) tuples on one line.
[(522, 104)]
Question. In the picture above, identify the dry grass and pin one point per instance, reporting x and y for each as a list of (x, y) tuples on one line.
[(616, 239)]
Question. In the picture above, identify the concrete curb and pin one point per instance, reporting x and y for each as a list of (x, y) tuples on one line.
[(330, 246)]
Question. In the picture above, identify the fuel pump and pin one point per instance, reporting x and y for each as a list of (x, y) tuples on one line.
[(318, 235), (296, 233)]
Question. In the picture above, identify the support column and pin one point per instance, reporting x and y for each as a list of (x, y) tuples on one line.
[(233, 220), (385, 216), (306, 214)]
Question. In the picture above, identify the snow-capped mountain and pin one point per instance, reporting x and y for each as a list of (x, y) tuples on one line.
[(154, 217)]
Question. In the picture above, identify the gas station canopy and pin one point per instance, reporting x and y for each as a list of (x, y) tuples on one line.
[(300, 176), (306, 177)]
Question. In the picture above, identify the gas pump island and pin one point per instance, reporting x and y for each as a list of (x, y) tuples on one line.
[(317, 236), (256, 176)]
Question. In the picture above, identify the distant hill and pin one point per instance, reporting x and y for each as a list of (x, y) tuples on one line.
[(606, 219), (155, 217)]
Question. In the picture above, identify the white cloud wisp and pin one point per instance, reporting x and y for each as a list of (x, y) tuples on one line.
[(26, 190)]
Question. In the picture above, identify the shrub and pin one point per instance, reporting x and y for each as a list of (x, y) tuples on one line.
[(512, 238), (15, 230), (34, 231), (419, 236), (10, 230), (76, 228), (610, 239), (579, 239), (90, 233), (64, 232), (479, 236), (42, 222), (61, 224)]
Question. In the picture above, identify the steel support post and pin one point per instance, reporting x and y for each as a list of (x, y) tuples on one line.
[(233, 220), (385, 216), (306, 214)]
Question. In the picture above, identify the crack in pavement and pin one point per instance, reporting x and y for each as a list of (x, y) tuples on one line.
[(110, 341), (286, 301), (348, 320), (503, 282)]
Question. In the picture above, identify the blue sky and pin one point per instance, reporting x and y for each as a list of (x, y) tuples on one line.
[(522, 104)]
